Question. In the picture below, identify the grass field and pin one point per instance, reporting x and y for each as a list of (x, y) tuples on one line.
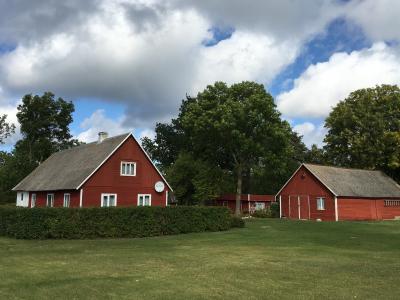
[(268, 259)]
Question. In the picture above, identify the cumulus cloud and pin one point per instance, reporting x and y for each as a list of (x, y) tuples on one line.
[(324, 84), (379, 19), (98, 122), (312, 134), (149, 54)]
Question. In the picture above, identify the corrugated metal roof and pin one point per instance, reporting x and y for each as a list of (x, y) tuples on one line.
[(67, 169), (355, 182)]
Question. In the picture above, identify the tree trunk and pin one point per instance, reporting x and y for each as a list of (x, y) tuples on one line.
[(238, 189)]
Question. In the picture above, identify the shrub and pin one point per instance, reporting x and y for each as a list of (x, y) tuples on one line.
[(116, 222), (269, 212), (237, 222)]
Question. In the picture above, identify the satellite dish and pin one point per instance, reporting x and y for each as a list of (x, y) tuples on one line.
[(159, 186)]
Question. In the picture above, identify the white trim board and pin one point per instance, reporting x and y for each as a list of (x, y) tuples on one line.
[(116, 148)]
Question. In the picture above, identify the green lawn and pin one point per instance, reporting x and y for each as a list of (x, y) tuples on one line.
[(267, 259)]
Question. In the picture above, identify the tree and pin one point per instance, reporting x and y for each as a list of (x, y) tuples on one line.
[(44, 127), (315, 155), (236, 128), (364, 130), (6, 129)]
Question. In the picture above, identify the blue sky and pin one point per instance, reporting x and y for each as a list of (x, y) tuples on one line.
[(126, 64)]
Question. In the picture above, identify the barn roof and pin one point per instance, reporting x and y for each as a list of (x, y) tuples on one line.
[(355, 182), (69, 169)]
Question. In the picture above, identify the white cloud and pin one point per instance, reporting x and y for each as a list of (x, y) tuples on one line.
[(149, 54), (323, 85), (312, 134), (379, 18), (98, 122)]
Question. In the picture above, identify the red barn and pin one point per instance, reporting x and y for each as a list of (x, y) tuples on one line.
[(248, 202), (113, 171), (329, 193)]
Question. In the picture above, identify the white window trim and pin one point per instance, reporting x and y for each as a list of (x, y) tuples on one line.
[(69, 200), (33, 202), (127, 162), (52, 200), (143, 195), (323, 198), (108, 194)]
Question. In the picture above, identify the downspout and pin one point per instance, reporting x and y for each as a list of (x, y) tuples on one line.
[(280, 206), (81, 198)]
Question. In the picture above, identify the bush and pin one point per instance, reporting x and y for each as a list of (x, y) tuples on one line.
[(237, 222), (270, 212), (84, 223)]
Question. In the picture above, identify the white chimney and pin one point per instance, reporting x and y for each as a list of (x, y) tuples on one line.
[(102, 136)]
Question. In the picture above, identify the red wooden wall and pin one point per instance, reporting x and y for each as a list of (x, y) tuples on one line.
[(41, 198), (366, 209), (304, 188), (108, 180)]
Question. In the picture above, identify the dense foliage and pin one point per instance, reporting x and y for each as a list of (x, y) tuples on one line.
[(364, 130), (61, 223), (44, 126), (226, 139)]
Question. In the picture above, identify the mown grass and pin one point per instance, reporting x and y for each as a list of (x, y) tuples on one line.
[(268, 259)]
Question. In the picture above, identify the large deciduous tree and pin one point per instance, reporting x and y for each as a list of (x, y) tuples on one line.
[(364, 130), (44, 127), (236, 128)]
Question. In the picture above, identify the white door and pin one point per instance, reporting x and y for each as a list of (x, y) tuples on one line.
[(23, 199)]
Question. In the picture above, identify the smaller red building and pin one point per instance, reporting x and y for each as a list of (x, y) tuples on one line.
[(113, 171), (325, 193), (248, 202)]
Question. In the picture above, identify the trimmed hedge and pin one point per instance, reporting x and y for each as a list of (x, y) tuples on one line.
[(88, 223)]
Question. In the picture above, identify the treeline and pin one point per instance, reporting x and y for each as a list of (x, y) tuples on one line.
[(227, 139)]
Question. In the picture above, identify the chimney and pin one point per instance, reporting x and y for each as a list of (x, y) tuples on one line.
[(102, 136)]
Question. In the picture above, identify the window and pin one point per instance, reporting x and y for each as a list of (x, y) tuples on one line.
[(224, 203), (144, 200), (50, 200), (128, 168), (108, 200), (67, 200), (33, 200), (260, 205), (392, 202), (320, 203)]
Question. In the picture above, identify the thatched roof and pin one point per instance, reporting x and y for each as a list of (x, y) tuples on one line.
[(355, 182), (66, 170)]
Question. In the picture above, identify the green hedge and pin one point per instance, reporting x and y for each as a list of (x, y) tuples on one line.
[(85, 223)]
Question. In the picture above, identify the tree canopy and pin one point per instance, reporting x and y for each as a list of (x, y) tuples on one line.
[(6, 129), (234, 133), (364, 130)]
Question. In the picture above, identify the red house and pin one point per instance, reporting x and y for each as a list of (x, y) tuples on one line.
[(328, 193), (248, 202), (113, 171)]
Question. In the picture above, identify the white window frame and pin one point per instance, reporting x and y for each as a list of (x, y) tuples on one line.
[(33, 200), (143, 195), (132, 164), (319, 207), (108, 201), (259, 206), (69, 200), (52, 200)]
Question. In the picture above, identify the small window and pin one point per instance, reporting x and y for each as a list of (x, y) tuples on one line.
[(50, 200), (144, 200), (33, 200), (108, 200), (67, 200), (224, 203), (128, 168), (260, 205), (320, 203)]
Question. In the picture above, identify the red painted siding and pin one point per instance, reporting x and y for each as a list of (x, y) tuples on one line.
[(41, 198), (366, 209), (299, 198), (108, 180)]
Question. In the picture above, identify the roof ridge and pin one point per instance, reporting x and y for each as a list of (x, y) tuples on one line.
[(344, 168)]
